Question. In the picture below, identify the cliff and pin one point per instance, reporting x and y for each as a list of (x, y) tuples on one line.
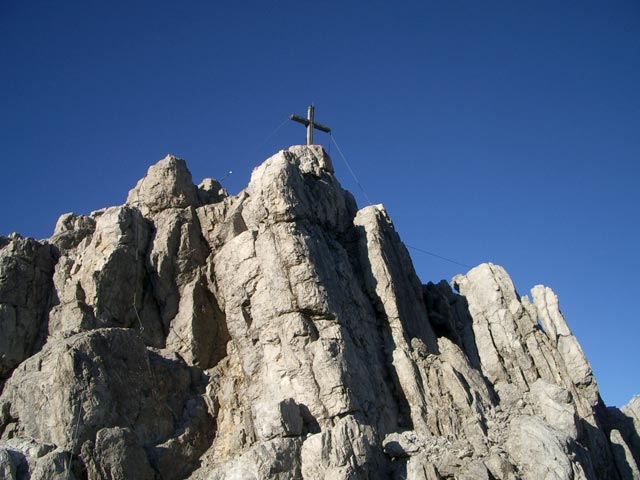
[(282, 333)]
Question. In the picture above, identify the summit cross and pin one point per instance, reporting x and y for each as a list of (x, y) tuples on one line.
[(310, 124)]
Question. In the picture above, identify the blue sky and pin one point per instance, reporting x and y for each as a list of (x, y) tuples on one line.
[(492, 131)]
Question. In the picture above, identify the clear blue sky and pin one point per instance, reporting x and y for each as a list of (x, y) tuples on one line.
[(492, 131)]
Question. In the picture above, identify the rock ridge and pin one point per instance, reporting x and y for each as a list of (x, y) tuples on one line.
[(283, 333)]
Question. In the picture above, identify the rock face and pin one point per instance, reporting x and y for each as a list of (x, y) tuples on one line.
[(282, 333), (26, 269)]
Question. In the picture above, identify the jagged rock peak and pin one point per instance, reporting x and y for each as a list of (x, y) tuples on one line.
[(282, 333), (298, 184), (168, 184)]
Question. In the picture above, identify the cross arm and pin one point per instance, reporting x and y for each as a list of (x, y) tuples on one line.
[(306, 123), (322, 128), (298, 119)]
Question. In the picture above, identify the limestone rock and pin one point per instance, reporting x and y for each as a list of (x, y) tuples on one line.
[(514, 352), (297, 184), (106, 378), (223, 221), (538, 450), (278, 458), (553, 404), (623, 457), (402, 444), (390, 277), (56, 465), (210, 191), (25, 453), (500, 325), (71, 229), (632, 409), (631, 412), (189, 312), (8, 468), (295, 309), (117, 455), (283, 333), (624, 425), (100, 282), (420, 471), (346, 451), (26, 268), (554, 325), (168, 184)]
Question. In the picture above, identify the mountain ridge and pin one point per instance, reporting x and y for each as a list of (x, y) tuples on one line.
[(282, 333)]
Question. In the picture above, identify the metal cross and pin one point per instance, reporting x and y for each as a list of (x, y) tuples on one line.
[(310, 124)]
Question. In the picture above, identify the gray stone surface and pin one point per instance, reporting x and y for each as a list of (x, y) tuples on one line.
[(282, 333), (623, 457), (117, 455), (553, 404), (26, 268), (75, 388), (167, 184), (8, 467), (99, 283), (537, 449), (56, 465)]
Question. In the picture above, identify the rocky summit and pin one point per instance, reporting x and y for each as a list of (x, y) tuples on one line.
[(282, 334)]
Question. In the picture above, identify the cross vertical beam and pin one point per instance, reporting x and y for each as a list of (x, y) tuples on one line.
[(310, 124)]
